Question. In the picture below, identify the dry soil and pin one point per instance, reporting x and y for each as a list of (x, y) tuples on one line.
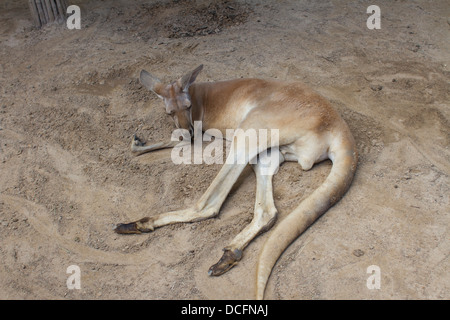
[(70, 101)]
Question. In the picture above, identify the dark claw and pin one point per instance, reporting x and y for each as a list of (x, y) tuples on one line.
[(228, 261), (133, 227), (127, 228), (137, 141)]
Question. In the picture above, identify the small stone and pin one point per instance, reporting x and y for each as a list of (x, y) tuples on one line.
[(376, 87)]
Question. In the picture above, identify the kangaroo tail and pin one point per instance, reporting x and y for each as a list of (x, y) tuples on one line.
[(344, 158)]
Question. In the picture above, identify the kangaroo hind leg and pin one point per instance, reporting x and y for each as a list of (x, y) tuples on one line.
[(264, 213)]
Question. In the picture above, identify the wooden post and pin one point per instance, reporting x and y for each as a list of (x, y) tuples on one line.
[(46, 11), (62, 13), (34, 13), (41, 12), (49, 11), (55, 9)]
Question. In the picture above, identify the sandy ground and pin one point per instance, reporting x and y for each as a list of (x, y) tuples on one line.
[(70, 102)]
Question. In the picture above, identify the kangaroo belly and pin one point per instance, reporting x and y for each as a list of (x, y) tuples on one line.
[(307, 151)]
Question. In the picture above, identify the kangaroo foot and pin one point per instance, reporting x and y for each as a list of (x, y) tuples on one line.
[(136, 227), (229, 260)]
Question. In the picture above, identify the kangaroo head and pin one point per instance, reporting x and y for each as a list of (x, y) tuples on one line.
[(175, 95)]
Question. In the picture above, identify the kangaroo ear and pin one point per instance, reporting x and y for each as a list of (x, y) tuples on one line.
[(150, 82), (189, 78)]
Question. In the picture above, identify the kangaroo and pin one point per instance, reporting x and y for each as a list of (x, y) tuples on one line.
[(310, 131)]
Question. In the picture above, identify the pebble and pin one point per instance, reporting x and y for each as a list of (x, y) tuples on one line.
[(376, 87)]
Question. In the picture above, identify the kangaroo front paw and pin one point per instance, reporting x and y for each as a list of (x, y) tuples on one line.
[(229, 259), (136, 227), (136, 142)]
